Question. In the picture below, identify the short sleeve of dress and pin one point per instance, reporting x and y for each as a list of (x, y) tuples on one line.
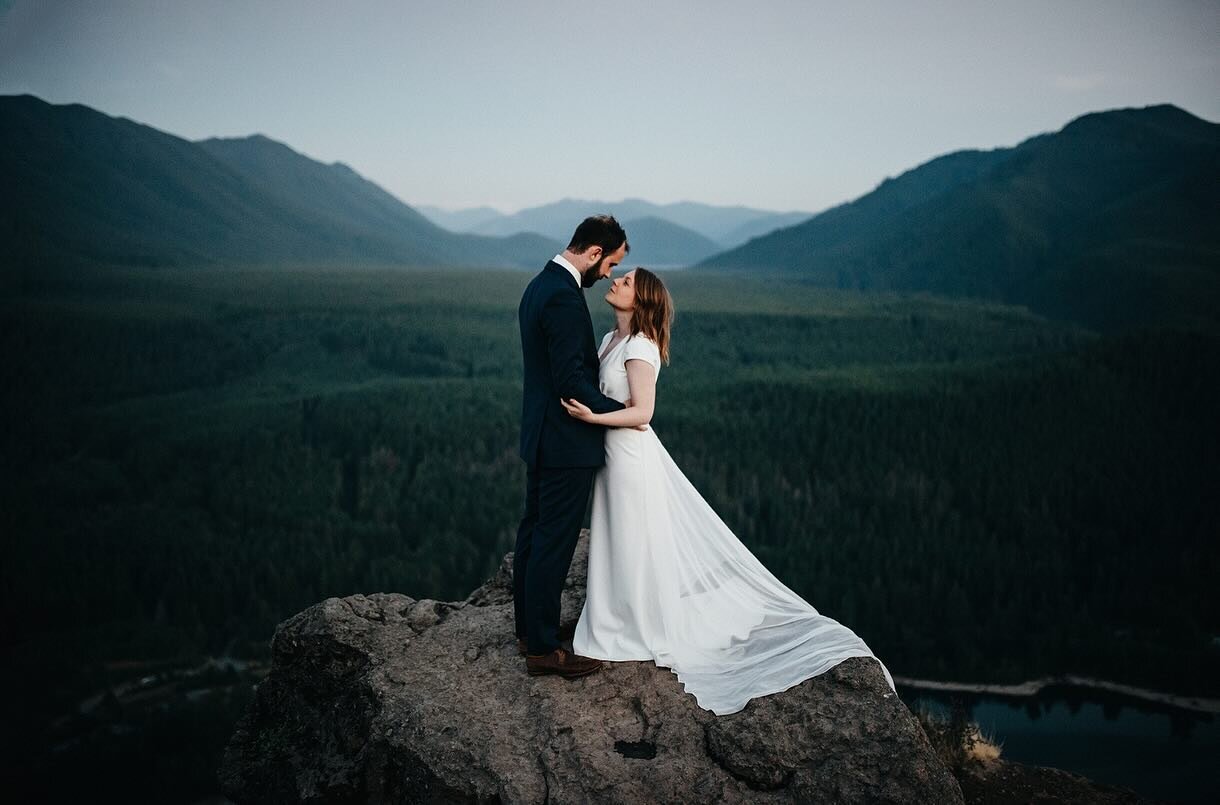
[(640, 346)]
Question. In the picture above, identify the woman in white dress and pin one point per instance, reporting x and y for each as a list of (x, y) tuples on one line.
[(668, 581)]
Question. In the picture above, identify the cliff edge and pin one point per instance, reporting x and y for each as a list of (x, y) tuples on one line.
[(385, 698)]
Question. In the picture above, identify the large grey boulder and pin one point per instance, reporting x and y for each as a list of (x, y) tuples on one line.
[(384, 698)]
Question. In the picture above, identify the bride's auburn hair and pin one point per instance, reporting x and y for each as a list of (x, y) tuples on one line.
[(653, 310)]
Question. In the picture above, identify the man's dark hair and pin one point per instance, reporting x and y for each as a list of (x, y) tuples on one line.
[(598, 230)]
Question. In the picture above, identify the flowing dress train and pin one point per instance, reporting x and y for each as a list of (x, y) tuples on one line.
[(670, 582)]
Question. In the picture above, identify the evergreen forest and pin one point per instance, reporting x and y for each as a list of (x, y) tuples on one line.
[(192, 456)]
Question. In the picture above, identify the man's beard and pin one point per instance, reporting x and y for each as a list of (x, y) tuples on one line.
[(590, 278)]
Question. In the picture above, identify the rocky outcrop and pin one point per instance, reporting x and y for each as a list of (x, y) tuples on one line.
[(1001, 783), (386, 698)]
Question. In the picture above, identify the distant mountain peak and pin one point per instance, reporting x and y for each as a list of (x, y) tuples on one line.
[(256, 139), (1165, 117)]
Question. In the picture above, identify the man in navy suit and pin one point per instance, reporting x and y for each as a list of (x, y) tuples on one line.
[(561, 453)]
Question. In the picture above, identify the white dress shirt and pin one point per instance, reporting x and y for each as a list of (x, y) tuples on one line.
[(559, 258)]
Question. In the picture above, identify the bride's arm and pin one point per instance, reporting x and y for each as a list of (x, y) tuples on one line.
[(642, 380)]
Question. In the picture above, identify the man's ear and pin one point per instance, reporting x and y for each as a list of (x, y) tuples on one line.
[(593, 254)]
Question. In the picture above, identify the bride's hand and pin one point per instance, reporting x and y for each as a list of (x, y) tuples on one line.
[(581, 411), (578, 409)]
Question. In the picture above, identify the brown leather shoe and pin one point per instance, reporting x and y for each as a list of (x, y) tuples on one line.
[(561, 662), (566, 632)]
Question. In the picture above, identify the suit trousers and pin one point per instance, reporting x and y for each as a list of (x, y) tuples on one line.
[(556, 499)]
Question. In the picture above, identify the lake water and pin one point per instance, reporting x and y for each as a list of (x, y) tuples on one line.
[(1159, 751)]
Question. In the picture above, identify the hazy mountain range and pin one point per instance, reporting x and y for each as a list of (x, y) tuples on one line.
[(1113, 220), (696, 230)]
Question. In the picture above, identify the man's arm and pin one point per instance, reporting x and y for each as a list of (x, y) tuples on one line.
[(562, 319), (642, 380)]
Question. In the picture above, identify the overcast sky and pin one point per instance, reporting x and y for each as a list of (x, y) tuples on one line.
[(458, 103)]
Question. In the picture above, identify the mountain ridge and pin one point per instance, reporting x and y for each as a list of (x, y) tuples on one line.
[(1111, 221), (99, 189), (724, 225)]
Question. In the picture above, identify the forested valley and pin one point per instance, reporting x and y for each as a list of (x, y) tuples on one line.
[(981, 493)]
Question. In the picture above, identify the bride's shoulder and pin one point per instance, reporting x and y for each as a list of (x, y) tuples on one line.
[(645, 339), (640, 345)]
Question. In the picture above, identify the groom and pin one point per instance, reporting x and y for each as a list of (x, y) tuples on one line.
[(561, 453)]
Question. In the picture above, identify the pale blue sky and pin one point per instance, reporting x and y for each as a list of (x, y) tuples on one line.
[(781, 105)]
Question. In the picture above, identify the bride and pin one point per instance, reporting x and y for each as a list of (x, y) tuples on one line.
[(668, 581)]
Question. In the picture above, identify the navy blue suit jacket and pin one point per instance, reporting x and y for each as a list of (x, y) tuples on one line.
[(560, 359)]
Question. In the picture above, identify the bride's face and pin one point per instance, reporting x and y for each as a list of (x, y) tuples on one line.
[(621, 295)]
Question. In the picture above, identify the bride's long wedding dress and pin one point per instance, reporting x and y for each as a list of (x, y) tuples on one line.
[(669, 582)]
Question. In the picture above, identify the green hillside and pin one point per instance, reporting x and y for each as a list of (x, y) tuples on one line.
[(95, 189), (1112, 221)]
